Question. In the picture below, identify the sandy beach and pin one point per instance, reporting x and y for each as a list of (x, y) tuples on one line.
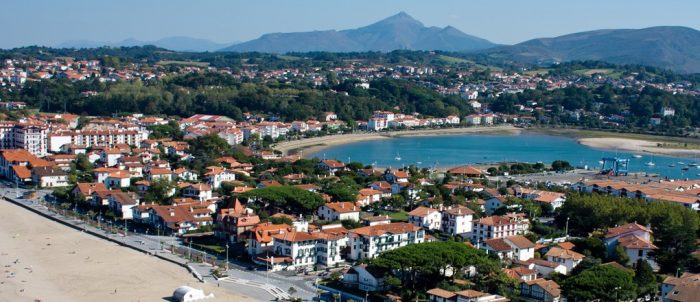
[(312, 145), (45, 261), (636, 146)]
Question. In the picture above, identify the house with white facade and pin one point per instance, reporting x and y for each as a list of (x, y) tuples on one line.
[(370, 241), (200, 192), (339, 211), (427, 218), (513, 247), (498, 227), (457, 221), (567, 258), (49, 177), (635, 240)]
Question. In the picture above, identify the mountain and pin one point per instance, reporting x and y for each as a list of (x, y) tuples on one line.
[(400, 31), (672, 47), (177, 43)]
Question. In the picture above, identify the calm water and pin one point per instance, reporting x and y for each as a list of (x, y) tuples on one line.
[(453, 150)]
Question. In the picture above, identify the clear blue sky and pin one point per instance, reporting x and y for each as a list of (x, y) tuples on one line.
[(50, 22)]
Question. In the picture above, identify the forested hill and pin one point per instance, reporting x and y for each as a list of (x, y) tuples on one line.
[(213, 93)]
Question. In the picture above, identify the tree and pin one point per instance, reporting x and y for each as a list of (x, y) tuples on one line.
[(422, 266), (159, 191), (292, 199), (620, 256), (604, 282), (561, 165), (645, 278)]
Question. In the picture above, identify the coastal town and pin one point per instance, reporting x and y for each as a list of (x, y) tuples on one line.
[(212, 182), (469, 172)]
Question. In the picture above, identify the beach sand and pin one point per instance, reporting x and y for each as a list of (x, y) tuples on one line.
[(312, 145), (636, 146), (45, 261)]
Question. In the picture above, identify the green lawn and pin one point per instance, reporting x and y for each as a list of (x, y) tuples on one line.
[(396, 216), (184, 63)]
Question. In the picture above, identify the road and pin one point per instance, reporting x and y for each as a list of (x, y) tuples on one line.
[(257, 284)]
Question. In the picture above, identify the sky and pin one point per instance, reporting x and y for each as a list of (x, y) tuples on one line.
[(51, 22)]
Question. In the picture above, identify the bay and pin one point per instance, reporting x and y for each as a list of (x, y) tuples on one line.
[(473, 149)]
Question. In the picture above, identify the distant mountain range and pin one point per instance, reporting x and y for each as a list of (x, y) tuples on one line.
[(177, 43), (400, 31), (672, 47)]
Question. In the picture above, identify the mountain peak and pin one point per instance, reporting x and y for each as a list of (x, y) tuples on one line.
[(400, 18), (400, 31)]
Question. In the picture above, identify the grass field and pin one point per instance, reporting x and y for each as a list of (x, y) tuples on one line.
[(538, 71), (456, 60), (288, 58), (184, 63)]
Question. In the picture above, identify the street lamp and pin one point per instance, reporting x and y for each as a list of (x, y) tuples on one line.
[(227, 257), (567, 227)]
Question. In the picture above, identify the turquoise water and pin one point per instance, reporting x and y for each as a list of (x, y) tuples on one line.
[(470, 149)]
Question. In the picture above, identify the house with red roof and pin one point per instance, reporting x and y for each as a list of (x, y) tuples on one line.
[(635, 240), (343, 210), (364, 241), (513, 247)]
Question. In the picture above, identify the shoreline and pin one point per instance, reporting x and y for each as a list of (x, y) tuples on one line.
[(628, 142), (315, 144), (636, 146)]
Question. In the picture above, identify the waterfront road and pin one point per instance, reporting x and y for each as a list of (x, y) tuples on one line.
[(253, 283)]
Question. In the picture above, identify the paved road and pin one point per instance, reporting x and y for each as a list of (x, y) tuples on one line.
[(258, 284)]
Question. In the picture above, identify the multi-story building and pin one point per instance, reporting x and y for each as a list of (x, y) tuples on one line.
[(426, 218), (457, 221), (339, 211), (370, 241), (498, 227), (28, 136), (94, 138)]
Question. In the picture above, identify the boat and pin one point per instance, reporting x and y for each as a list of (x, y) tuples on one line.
[(637, 156), (681, 163), (685, 169), (650, 164), (693, 164), (398, 157), (672, 165)]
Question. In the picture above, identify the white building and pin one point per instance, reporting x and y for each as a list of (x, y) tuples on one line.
[(370, 241), (200, 192), (339, 211), (635, 240), (427, 218), (49, 177), (473, 119), (514, 247), (376, 124), (498, 227), (567, 258), (457, 221)]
